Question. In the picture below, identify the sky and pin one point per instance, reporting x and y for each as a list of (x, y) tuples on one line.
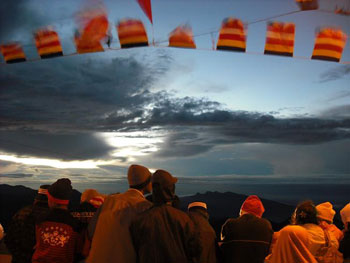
[(219, 121)]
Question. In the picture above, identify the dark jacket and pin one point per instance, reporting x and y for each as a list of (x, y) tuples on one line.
[(164, 234), (246, 239), (344, 245), (20, 237), (207, 236)]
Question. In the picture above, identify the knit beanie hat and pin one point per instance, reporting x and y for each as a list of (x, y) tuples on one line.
[(138, 176), (93, 197), (42, 193), (60, 191), (325, 211), (163, 178), (345, 214), (253, 205)]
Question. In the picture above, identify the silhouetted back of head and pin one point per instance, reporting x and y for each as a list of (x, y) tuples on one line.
[(163, 187), (305, 213)]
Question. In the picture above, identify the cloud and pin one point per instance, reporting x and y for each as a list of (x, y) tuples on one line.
[(19, 175), (18, 18), (73, 146), (335, 73)]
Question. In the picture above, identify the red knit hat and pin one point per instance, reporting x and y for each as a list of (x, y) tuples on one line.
[(253, 205)]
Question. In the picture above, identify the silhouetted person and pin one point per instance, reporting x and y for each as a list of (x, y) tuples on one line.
[(90, 201), (247, 239), (57, 236), (207, 237), (111, 240), (345, 242), (164, 233), (20, 237), (325, 215)]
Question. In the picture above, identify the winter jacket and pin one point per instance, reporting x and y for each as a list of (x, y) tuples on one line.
[(111, 240), (292, 245), (84, 213), (57, 238), (246, 239), (20, 237), (164, 234), (207, 236), (344, 246), (317, 238)]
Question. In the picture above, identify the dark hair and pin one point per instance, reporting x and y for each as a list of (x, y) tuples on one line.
[(305, 213)]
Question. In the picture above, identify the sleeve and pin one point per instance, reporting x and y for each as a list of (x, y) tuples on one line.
[(224, 230), (93, 222)]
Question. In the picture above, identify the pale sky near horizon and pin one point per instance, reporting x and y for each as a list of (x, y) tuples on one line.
[(213, 118)]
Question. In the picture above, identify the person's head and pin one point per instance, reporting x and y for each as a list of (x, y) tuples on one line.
[(92, 197), (41, 196), (252, 205), (305, 213), (59, 193), (325, 212), (198, 207), (139, 177), (345, 216), (163, 187)]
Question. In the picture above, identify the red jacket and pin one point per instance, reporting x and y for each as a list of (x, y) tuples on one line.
[(57, 238)]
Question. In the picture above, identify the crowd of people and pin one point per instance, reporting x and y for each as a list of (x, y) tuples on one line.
[(135, 227)]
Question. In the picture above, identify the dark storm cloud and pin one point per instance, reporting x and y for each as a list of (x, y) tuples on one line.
[(78, 146), (16, 176), (17, 17), (72, 98), (335, 73)]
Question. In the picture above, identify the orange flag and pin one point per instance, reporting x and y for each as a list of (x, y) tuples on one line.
[(306, 5), (132, 33), (232, 35), (280, 39), (94, 31), (329, 44), (13, 53), (182, 37), (48, 44), (147, 8)]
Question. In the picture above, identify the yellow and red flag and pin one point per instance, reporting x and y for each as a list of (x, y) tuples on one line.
[(132, 33), (329, 44), (182, 36), (280, 39), (147, 8), (232, 35), (94, 31), (305, 5), (48, 43), (13, 53)]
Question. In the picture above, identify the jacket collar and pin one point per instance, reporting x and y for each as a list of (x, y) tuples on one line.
[(133, 190)]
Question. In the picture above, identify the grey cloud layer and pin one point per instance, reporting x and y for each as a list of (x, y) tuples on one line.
[(58, 105)]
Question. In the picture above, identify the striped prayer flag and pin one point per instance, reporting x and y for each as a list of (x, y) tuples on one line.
[(280, 39), (93, 33), (13, 53), (182, 36), (232, 35), (132, 33), (329, 44), (305, 5), (48, 43)]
